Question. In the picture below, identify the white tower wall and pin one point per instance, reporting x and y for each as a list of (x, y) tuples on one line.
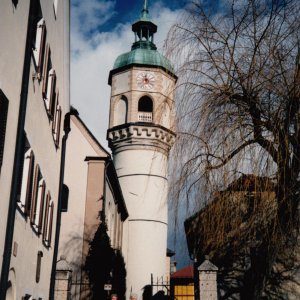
[(142, 169), (140, 136)]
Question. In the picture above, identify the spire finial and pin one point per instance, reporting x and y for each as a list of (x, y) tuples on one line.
[(145, 4), (145, 11)]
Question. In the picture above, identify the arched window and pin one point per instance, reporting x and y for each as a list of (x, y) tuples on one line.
[(145, 104), (121, 111), (145, 109)]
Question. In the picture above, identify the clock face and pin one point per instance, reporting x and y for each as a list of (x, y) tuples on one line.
[(145, 80)]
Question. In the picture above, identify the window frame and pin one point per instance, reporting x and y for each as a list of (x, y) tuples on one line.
[(47, 67), (27, 182), (39, 47)]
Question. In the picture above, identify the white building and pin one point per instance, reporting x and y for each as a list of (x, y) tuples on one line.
[(94, 188), (140, 135), (34, 98)]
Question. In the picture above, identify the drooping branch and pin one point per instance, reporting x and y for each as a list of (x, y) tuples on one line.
[(231, 155)]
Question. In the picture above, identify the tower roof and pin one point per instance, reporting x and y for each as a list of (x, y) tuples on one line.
[(143, 50), (142, 56)]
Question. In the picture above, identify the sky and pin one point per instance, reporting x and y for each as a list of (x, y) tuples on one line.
[(100, 31)]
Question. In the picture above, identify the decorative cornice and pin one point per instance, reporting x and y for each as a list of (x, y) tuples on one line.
[(134, 136)]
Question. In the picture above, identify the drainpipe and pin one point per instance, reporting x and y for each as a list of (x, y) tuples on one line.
[(67, 129), (18, 156)]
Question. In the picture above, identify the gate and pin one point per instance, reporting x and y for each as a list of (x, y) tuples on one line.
[(80, 288), (158, 289)]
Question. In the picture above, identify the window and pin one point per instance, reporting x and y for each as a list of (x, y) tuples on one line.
[(145, 104), (121, 111), (145, 109), (47, 232), (39, 47), (27, 180), (65, 198), (3, 119)]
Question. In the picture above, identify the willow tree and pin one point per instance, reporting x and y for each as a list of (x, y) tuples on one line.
[(239, 89)]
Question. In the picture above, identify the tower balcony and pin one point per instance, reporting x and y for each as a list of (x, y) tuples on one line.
[(140, 135), (145, 116)]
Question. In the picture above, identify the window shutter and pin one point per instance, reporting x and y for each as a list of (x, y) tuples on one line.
[(50, 96), (41, 207), (50, 224), (28, 196), (56, 133), (55, 114), (21, 174), (42, 50), (3, 119), (54, 104), (35, 194), (46, 220), (46, 70)]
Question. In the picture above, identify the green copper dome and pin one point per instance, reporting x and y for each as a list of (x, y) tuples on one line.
[(141, 56), (143, 50)]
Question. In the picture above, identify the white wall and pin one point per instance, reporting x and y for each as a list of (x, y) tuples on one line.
[(72, 223), (38, 127), (13, 27)]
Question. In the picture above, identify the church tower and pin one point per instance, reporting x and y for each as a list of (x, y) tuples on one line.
[(140, 136)]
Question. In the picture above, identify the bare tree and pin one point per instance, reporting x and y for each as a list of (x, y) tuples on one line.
[(238, 112)]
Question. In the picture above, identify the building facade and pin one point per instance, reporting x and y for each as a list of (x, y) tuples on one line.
[(230, 230), (34, 99), (93, 186), (140, 135)]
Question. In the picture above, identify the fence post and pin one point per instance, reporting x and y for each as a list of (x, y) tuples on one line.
[(208, 280), (63, 278)]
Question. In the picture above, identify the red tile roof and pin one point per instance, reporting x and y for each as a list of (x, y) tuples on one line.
[(186, 272)]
